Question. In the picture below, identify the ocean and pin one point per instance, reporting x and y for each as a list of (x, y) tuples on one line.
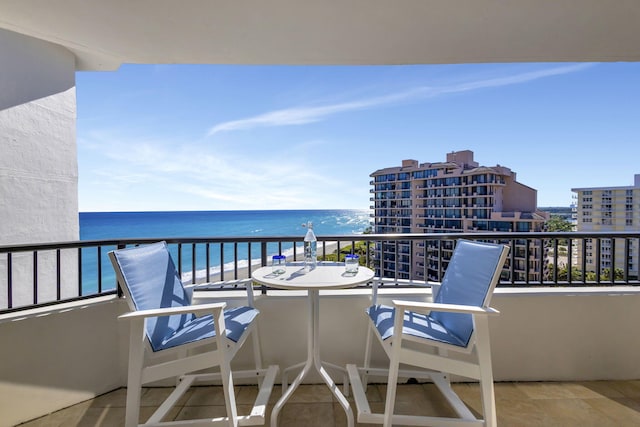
[(124, 225)]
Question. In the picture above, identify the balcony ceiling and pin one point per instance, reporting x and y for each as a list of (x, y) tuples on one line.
[(105, 34)]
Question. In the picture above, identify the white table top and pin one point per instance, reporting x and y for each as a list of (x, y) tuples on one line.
[(324, 276)]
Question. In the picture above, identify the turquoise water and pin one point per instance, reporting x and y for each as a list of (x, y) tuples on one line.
[(121, 225), (110, 225)]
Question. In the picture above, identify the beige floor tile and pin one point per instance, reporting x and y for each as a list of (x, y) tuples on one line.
[(311, 393), (206, 396), (540, 390), (603, 388), (419, 399), (157, 395), (553, 413), (68, 416), (520, 413), (580, 391), (115, 398), (626, 388), (197, 412), (623, 411), (373, 394), (86, 415), (524, 404), (503, 391), (307, 415), (246, 395)]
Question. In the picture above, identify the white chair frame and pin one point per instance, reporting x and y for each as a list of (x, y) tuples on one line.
[(147, 366), (436, 364)]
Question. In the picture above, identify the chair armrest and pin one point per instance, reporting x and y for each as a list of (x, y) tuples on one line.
[(432, 306), (194, 309)]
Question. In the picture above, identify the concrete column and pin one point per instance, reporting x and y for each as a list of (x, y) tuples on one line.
[(38, 156)]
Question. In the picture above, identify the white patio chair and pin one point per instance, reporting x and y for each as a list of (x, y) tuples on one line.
[(165, 328), (448, 336)]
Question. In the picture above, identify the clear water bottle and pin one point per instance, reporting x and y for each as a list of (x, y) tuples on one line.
[(310, 248)]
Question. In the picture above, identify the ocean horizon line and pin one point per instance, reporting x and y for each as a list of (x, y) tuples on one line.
[(229, 210)]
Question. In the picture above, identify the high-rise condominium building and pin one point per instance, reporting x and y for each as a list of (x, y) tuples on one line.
[(609, 209), (454, 196)]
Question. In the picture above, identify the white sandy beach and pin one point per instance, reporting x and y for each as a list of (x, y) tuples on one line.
[(243, 272)]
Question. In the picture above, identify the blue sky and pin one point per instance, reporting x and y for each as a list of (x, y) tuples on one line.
[(221, 137)]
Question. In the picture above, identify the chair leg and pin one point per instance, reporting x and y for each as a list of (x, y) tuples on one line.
[(134, 390), (182, 353), (394, 366), (367, 358), (486, 372), (225, 368), (257, 353), (229, 394), (392, 382), (134, 379), (442, 352)]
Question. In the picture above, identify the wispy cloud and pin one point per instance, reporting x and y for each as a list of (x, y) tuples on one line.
[(155, 171), (300, 115), (304, 115)]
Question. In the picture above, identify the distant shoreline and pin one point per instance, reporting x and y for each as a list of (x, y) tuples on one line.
[(222, 211), (243, 273)]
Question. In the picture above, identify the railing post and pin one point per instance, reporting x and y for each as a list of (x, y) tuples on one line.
[(193, 263), (58, 278), (263, 262), (99, 254), (35, 277), (9, 281), (119, 290)]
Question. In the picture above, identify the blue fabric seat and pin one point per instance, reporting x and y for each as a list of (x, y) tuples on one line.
[(415, 324), (152, 282), (460, 285), (236, 319)]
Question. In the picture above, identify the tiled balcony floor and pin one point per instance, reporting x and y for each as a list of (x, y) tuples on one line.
[(597, 403)]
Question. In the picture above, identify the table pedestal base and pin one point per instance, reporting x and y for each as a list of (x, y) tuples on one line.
[(313, 361)]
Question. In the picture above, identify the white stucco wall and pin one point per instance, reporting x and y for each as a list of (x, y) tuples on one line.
[(38, 155), (63, 355)]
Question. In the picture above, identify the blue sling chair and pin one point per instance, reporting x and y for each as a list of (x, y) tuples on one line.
[(430, 336), (165, 329)]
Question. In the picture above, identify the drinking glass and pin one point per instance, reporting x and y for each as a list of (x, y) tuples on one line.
[(278, 264), (351, 263)]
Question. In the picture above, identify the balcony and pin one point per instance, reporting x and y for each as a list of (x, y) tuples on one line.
[(564, 351), (565, 404)]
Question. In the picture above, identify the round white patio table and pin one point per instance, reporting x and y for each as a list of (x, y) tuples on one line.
[(324, 276)]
